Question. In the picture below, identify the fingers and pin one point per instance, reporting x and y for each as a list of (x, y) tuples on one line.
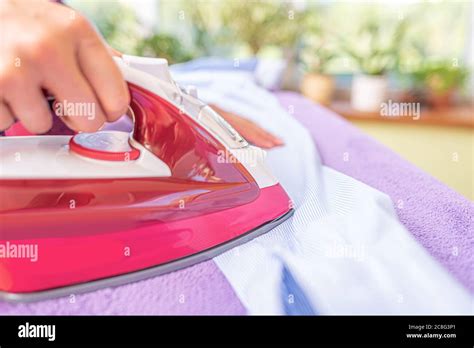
[(6, 117), (254, 133), (30, 107), (103, 75), (260, 137), (257, 135), (51, 47), (250, 130), (113, 52), (76, 102), (264, 139)]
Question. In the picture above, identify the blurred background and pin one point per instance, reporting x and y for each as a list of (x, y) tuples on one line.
[(400, 70)]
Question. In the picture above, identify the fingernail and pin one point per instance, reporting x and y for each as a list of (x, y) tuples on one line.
[(278, 141), (263, 144)]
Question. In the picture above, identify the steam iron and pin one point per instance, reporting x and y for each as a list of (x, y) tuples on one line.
[(107, 208)]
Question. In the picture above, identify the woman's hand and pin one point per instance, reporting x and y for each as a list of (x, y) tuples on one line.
[(49, 47), (250, 130)]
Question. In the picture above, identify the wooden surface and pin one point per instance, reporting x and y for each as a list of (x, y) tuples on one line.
[(459, 116)]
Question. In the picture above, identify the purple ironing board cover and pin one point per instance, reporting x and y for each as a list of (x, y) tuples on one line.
[(439, 218)]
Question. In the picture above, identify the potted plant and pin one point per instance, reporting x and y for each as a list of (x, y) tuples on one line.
[(439, 80), (260, 23), (375, 55), (318, 51), (163, 46), (317, 84), (263, 23)]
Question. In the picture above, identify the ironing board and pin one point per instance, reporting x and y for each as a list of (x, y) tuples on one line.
[(439, 218)]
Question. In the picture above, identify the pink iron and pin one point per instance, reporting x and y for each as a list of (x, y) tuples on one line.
[(107, 208)]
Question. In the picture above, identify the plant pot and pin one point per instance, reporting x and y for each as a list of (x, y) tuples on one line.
[(368, 92), (413, 96), (440, 100), (318, 87), (291, 76)]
